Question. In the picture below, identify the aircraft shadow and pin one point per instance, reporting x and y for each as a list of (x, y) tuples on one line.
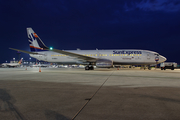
[(52, 115)]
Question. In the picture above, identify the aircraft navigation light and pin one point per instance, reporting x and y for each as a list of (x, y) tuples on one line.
[(51, 48)]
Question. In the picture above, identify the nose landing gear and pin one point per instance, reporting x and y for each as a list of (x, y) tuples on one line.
[(144, 67), (149, 67)]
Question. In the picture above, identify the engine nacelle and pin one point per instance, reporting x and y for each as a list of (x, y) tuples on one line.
[(104, 63)]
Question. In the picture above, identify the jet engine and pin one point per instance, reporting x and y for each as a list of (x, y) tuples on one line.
[(104, 63)]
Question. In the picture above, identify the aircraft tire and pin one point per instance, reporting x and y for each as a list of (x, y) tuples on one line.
[(92, 68), (87, 68), (149, 68)]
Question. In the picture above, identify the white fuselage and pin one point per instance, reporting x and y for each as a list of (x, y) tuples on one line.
[(10, 64), (118, 56)]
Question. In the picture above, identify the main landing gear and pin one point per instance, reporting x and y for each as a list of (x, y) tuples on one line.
[(89, 67)]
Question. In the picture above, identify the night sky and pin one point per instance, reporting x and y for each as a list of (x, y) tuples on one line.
[(90, 24)]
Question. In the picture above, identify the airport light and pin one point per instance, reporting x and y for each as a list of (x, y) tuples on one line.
[(51, 48), (30, 60)]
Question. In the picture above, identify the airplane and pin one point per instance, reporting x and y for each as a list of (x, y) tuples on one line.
[(12, 64), (90, 58), (40, 65)]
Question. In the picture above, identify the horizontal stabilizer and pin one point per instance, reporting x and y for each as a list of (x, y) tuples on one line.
[(23, 51)]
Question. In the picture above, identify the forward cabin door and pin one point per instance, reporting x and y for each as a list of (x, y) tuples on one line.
[(148, 56)]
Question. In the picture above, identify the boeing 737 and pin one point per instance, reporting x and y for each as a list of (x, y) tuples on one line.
[(98, 58)]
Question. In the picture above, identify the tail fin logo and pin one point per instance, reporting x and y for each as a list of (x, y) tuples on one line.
[(35, 43), (32, 37), (35, 35), (20, 61)]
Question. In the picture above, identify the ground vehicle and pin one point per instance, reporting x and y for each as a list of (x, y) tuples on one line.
[(168, 65)]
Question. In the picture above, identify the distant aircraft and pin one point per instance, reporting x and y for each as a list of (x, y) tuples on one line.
[(12, 64), (91, 58), (41, 65)]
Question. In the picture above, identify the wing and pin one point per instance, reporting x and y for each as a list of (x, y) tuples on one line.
[(75, 55), (23, 51)]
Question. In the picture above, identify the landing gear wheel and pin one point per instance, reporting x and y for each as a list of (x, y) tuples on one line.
[(149, 67), (91, 68), (87, 68)]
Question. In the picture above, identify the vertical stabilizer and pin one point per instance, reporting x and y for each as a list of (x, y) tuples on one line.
[(35, 43), (20, 61)]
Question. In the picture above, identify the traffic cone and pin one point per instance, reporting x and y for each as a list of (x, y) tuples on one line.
[(39, 69), (117, 68)]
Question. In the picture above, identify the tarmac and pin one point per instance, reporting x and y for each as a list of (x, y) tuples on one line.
[(101, 94)]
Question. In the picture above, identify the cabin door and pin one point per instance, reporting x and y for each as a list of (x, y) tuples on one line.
[(148, 56)]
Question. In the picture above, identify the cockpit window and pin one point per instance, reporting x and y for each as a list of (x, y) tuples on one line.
[(156, 54)]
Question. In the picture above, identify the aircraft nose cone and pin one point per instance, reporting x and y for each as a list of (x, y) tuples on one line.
[(162, 59)]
